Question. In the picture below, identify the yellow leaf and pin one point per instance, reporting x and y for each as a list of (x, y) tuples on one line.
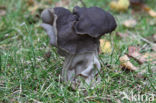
[(120, 5), (152, 13), (125, 62), (105, 46)]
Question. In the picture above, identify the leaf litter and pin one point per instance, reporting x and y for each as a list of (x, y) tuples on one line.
[(135, 53)]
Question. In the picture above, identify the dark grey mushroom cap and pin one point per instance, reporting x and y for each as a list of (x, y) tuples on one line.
[(93, 21), (67, 39), (65, 35)]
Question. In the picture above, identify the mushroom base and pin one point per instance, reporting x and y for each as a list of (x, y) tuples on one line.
[(81, 67)]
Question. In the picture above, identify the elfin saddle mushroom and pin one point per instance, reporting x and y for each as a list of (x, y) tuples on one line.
[(76, 36)]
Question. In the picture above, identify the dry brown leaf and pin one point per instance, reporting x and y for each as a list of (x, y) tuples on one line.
[(134, 53), (105, 46), (132, 49), (124, 62), (130, 23), (122, 35), (137, 56), (120, 5)]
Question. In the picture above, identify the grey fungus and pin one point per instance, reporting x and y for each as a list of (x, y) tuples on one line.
[(50, 31), (93, 21), (78, 31), (76, 36), (47, 16)]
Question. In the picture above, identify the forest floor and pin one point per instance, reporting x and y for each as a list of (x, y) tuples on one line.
[(30, 67)]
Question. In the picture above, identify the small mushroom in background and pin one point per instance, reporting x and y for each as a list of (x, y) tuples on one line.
[(76, 36)]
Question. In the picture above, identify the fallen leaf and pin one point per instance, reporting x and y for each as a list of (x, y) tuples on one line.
[(122, 35), (150, 11), (134, 53), (105, 46), (120, 5), (130, 23), (132, 49), (124, 62)]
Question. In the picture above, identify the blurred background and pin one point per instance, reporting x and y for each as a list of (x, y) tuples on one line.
[(30, 67)]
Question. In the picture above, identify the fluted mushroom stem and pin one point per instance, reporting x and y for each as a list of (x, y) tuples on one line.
[(84, 65)]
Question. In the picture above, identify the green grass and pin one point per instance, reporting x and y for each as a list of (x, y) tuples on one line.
[(27, 75)]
